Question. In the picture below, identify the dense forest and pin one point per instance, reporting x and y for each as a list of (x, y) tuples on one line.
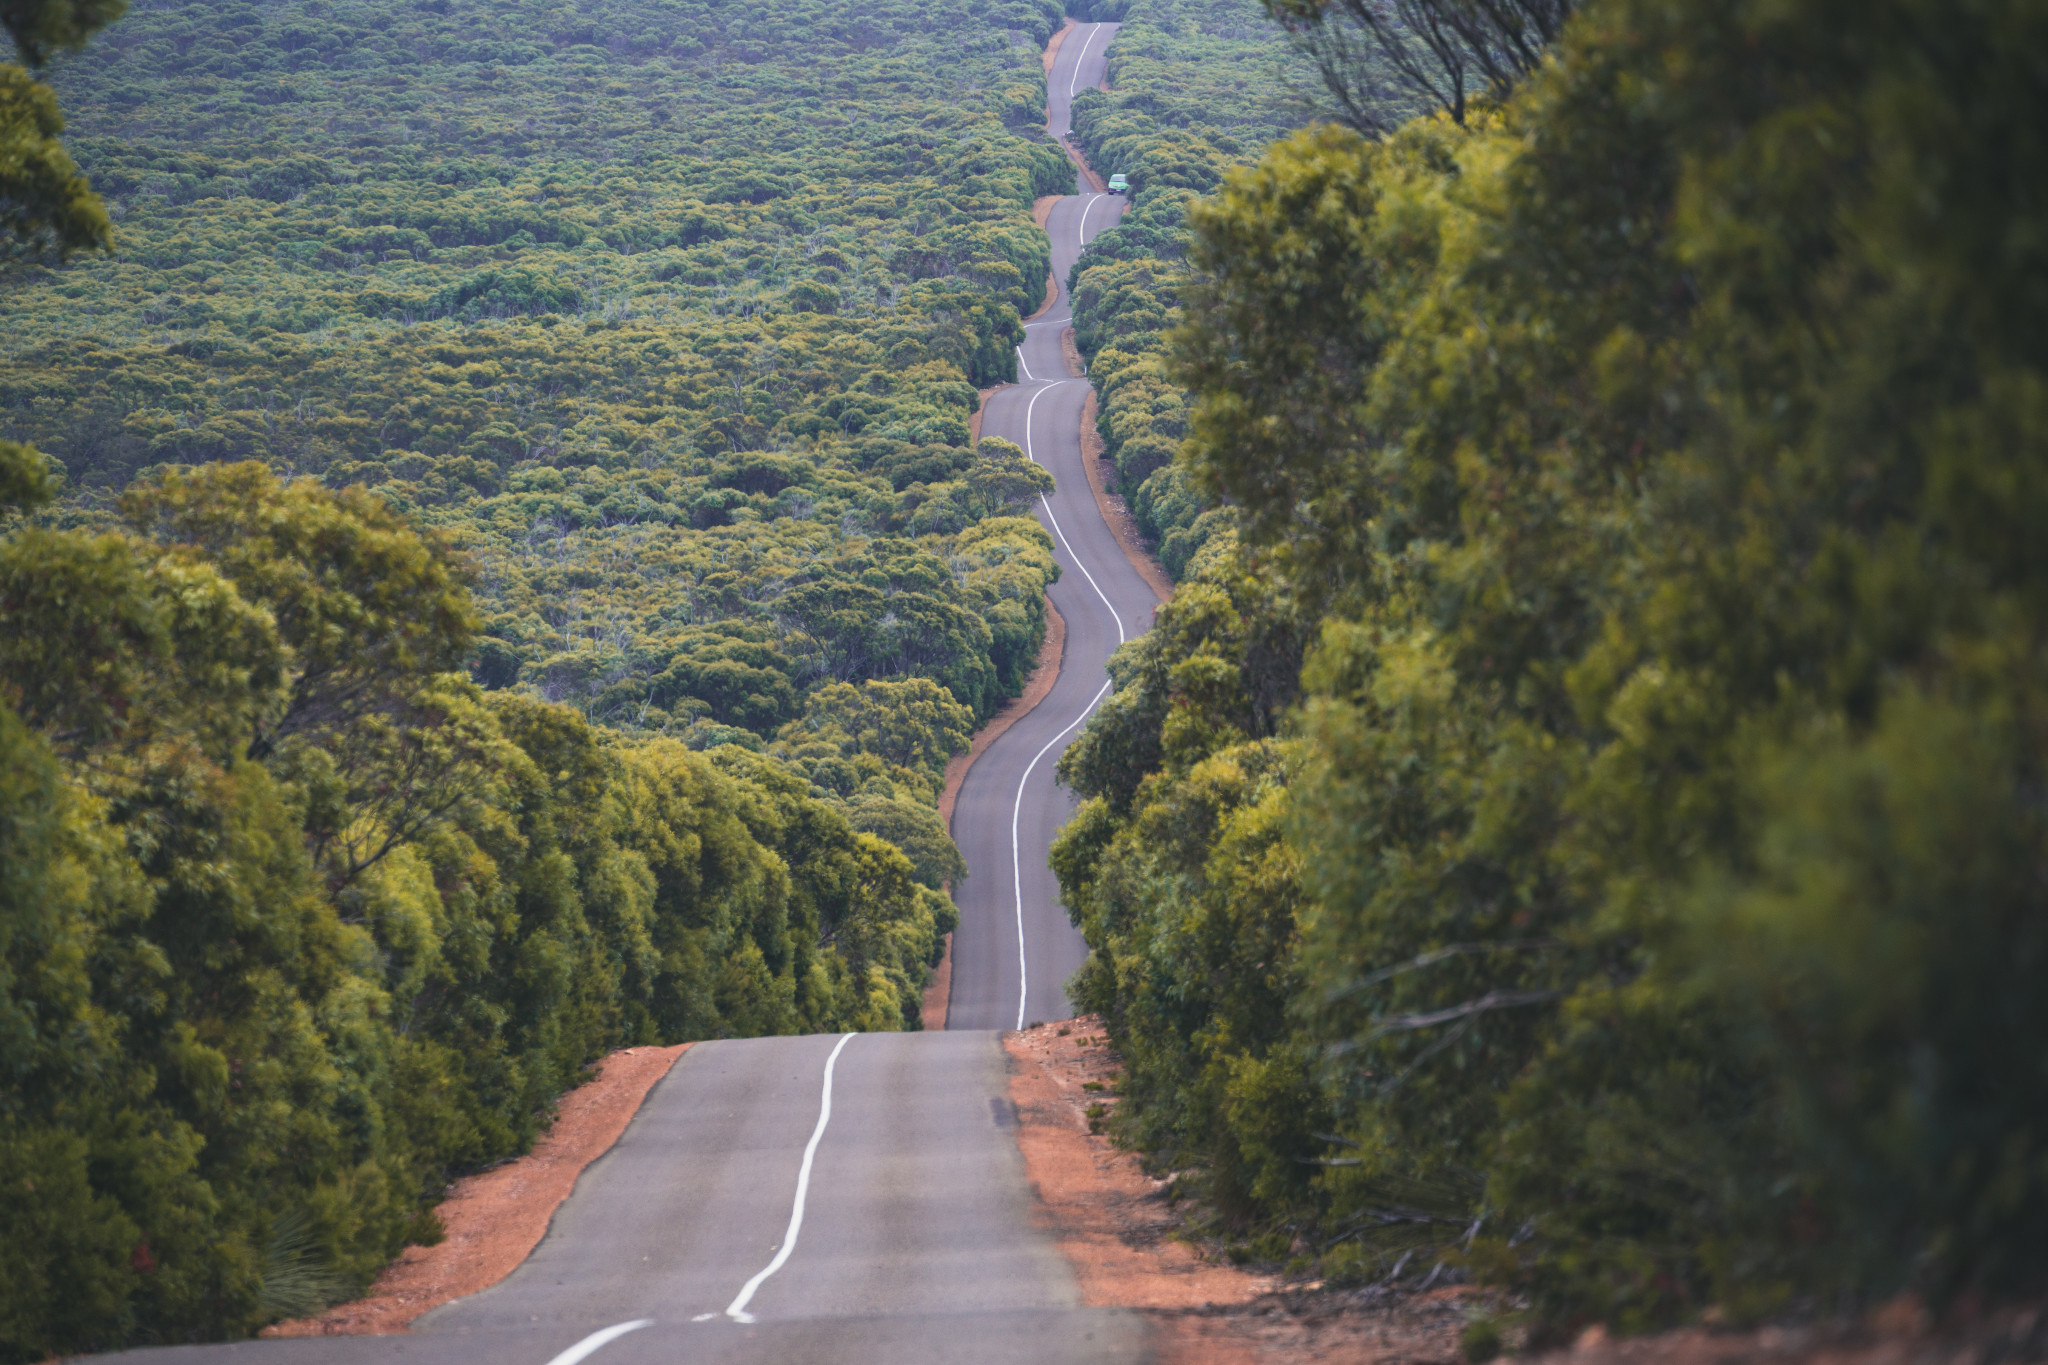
[(493, 569), (671, 316), (1578, 823)]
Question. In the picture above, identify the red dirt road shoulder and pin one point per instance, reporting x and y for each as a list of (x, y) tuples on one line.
[(1123, 1238), (1112, 1220), (495, 1219)]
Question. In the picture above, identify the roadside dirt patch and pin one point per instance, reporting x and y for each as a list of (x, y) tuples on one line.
[(496, 1218), (974, 418), (1125, 1241), (938, 995), (1356, 1327), (1088, 175), (1041, 213), (1129, 1249), (1112, 1220)]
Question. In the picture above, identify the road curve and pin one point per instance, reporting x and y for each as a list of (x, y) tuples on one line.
[(916, 1241), (850, 1199), (1015, 947)]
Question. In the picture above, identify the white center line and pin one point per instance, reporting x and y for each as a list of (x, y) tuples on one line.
[(597, 1339), (1086, 209), (1092, 32), (1017, 807), (1016, 857), (737, 1309)]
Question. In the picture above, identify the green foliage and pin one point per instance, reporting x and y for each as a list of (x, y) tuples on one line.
[(520, 575), (47, 210), (1198, 86), (26, 481), (42, 28), (46, 206), (295, 923), (1003, 481), (1653, 461), (1176, 871), (670, 320), (896, 736)]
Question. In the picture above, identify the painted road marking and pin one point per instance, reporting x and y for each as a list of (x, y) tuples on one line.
[(1017, 807), (597, 1339), (737, 1309), (1016, 859), (1086, 209), (1093, 30)]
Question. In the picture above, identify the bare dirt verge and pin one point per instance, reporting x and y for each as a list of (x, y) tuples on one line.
[(938, 995), (1128, 1250), (1114, 509), (1074, 154), (1041, 213), (1112, 1220), (495, 1219)]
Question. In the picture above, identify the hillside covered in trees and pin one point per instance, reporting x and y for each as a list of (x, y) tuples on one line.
[(492, 569), (672, 316), (1581, 828)]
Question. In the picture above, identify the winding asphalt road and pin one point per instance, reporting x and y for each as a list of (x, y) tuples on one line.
[(854, 1199), (1015, 947)]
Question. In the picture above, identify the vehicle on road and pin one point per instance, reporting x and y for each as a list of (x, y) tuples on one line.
[(1119, 185)]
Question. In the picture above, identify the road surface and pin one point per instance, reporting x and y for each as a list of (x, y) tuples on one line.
[(915, 1242), (849, 1199), (1015, 947)]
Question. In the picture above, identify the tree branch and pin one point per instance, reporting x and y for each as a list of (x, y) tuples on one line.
[(1485, 1004)]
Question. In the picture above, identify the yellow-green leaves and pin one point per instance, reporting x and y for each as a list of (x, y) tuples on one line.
[(46, 206)]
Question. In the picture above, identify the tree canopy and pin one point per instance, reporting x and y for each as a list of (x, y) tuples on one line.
[(1637, 902)]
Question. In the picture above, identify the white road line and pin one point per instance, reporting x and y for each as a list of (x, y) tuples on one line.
[(1017, 807), (597, 1339), (1092, 32), (1029, 454), (1016, 857), (1028, 375), (737, 1309), (1082, 235)]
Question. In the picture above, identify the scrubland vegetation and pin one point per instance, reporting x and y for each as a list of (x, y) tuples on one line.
[(497, 569), (1577, 823), (494, 571)]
